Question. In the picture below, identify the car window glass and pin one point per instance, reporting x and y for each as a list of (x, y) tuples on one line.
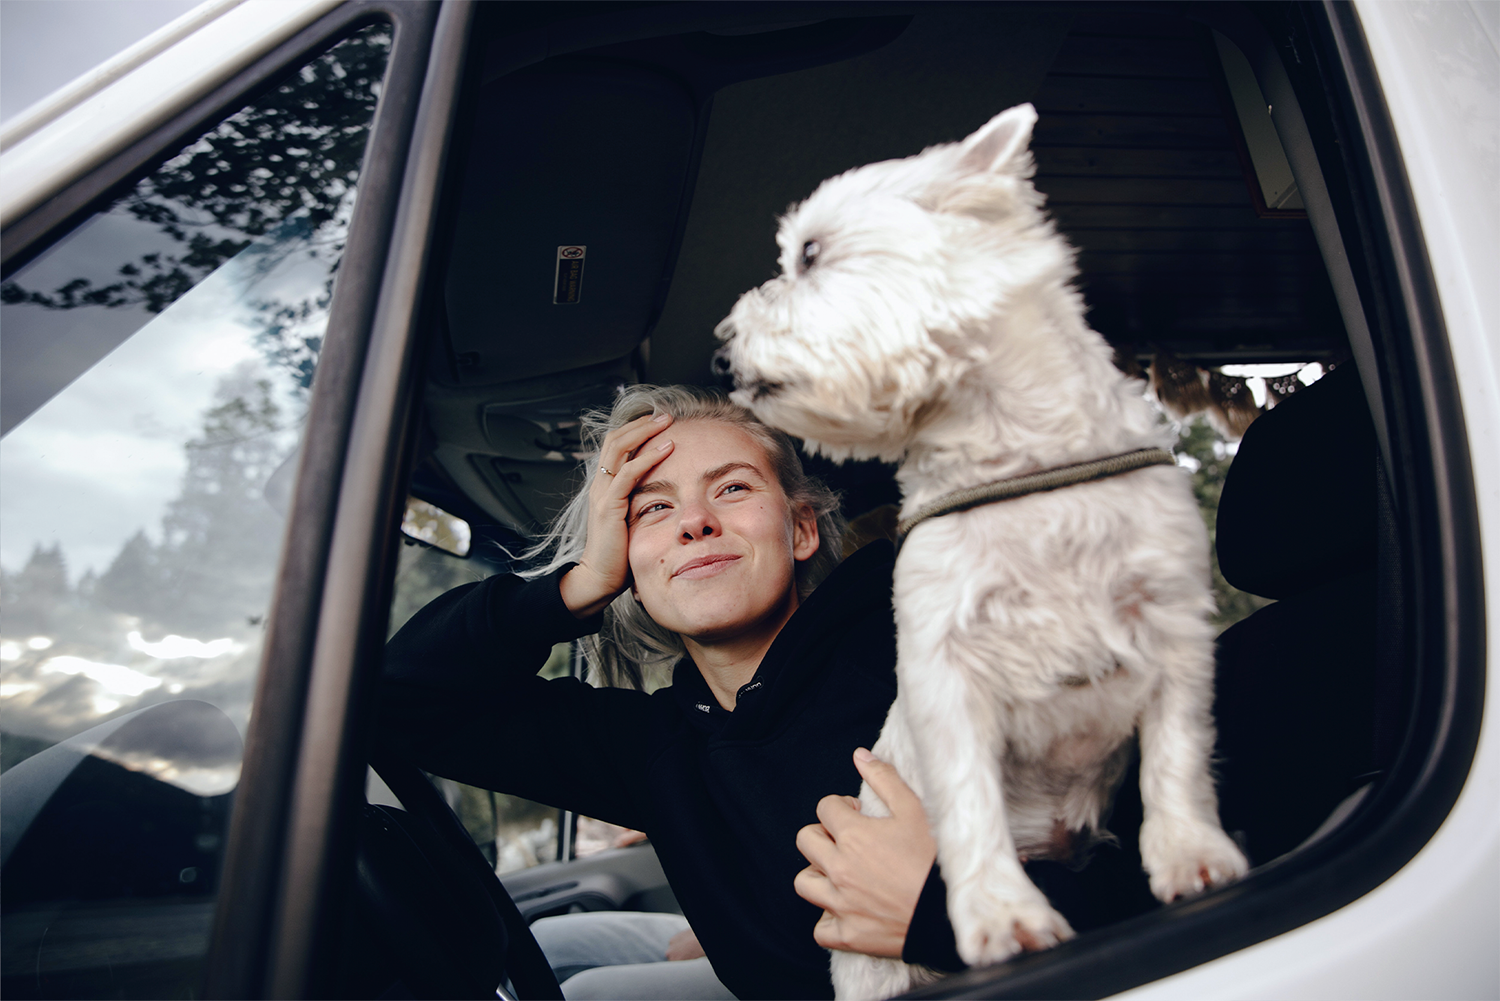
[(512, 832), (157, 363)]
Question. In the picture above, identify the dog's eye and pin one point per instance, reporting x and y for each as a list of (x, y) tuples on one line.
[(810, 252)]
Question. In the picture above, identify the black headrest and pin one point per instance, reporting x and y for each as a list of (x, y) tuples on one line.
[(1298, 506)]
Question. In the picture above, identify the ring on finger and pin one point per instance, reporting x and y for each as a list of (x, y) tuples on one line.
[(606, 472)]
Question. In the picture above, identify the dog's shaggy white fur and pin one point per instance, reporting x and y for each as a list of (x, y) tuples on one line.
[(925, 315)]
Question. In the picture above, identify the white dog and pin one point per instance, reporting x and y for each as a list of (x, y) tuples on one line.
[(925, 316)]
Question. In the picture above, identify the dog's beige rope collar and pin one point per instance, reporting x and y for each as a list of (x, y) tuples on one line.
[(1046, 479)]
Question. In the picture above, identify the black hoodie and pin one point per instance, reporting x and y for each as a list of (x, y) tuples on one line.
[(721, 794)]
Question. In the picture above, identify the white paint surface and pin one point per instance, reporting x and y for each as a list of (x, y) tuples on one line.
[(76, 141)]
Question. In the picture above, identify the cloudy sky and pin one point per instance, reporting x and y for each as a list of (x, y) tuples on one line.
[(103, 458), (46, 43)]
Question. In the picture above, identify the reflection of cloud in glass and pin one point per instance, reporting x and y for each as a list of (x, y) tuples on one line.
[(136, 532), (108, 457), (197, 780), (174, 647), (116, 678), (40, 702)]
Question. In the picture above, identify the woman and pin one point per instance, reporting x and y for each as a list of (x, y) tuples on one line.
[(695, 548)]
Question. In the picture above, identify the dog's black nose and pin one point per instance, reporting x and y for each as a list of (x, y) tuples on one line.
[(721, 364)]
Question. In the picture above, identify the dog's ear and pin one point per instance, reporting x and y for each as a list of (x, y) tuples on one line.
[(1000, 145)]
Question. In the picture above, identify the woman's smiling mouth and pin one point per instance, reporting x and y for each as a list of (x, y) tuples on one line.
[(705, 566)]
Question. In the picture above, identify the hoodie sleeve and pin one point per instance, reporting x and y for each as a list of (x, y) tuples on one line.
[(460, 697), (486, 636), (929, 937)]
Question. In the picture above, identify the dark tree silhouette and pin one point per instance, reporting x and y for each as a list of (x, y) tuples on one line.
[(130, 584)]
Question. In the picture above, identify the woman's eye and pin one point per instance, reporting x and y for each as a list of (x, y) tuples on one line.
[(810, 251), (735, 488), (651, 509)]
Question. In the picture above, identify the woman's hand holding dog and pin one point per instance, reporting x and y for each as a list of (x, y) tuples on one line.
[(866, 872), (627, 455)]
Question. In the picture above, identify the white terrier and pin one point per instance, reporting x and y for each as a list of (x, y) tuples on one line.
[(925, 316)]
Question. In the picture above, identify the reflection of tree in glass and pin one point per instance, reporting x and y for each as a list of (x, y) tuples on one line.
[(34, 596), (209, 578), (211, 573), (288, 162)]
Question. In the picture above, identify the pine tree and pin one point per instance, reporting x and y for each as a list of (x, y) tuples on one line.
[(132, 583), (220, 537), (38, 598)]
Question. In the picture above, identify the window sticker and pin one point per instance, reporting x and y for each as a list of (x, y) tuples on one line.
[(567, 285)]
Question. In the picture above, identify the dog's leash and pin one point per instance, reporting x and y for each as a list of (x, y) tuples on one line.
[(1030, 483)]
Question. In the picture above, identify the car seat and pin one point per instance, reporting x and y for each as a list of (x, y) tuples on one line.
[(1303, 519)]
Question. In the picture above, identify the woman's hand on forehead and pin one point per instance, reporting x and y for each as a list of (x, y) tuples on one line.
[(603, 572)]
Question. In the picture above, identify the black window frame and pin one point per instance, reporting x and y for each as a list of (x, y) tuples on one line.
[(279, 932)]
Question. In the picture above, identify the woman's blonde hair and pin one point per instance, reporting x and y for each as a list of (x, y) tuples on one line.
[(631, 650)]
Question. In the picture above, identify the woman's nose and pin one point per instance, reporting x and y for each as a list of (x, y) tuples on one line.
[(698, 522)]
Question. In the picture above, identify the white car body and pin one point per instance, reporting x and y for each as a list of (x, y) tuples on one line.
[(117, 103)]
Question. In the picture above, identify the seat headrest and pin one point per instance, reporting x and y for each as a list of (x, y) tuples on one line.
[(1298, 505)]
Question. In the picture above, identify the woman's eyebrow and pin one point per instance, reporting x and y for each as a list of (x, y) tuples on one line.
[(729, 467), (667, 486), (654, 487)]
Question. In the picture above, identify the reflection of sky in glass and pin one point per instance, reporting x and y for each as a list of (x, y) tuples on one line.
[(105, 458), (101, 460)]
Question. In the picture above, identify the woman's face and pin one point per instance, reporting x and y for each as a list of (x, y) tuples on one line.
[(713, 540)]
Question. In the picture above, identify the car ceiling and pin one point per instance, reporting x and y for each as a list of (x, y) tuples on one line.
[(667, 140)]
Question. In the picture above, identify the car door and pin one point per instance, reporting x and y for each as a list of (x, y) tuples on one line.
[(196, 299)]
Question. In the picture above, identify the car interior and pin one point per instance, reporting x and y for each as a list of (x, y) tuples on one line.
[(612, 186), (666, 159)]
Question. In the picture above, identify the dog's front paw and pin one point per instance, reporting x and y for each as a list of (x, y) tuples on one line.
[(996, 917), (1184, 859)]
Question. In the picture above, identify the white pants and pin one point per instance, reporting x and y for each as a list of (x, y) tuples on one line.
[(622, 956)]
